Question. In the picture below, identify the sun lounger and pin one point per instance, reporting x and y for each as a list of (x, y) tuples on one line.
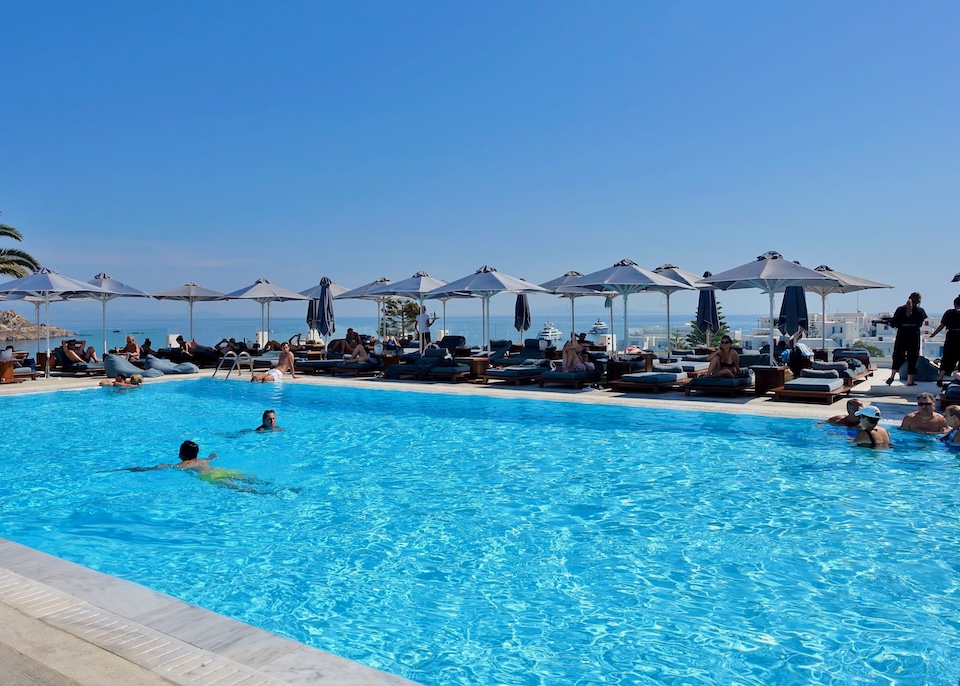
[(356, 368), (423, 365), (518, 374), (720, 386), (813, 384), (950, 395), (530, 351), (68, 368), (317, 366), (577, 380), (651, 382)]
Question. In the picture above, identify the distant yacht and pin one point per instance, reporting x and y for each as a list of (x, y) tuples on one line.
[(550, 333), (599, 327)]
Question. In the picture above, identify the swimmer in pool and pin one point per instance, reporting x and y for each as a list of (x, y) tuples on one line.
[(121, 381), (850, 418), (268, 422)]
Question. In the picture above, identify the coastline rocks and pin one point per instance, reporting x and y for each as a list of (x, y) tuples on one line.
[(14, 327)]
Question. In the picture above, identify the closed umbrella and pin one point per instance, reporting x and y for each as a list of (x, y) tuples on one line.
[(844, 284), (689, 279), (521, 315), (708, 316), (485, 283), (793, 311), (47, 286), (190, 293), (317, 294), (771, 274), (363, 293), (326, 322), (624, 278), (264, 292)]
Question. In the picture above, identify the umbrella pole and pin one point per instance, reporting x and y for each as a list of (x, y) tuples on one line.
[(613, 348), (104, 322), (624, 344), (443, 304), (37, 304), (573, 316), (669, 350), (46, 371), (191, 320), (771, 330), (823, 322)]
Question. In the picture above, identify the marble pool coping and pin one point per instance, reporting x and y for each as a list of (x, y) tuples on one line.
[(62, 624)]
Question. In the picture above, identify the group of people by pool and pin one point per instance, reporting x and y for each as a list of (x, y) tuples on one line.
[(923, 420)]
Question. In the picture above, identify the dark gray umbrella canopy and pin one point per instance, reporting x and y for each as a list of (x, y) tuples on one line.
[(364, 293), (326, 322), (115, 289), (521, 314), (681, 276), (793, 311), (190, 293), (770, 273), (844, 284), (265, 292), (708, 316), (47, 286)]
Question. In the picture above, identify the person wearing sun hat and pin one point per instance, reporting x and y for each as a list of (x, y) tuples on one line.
[(871, 434)]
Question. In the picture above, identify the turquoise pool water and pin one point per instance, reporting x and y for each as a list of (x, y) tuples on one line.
[(475, 540)]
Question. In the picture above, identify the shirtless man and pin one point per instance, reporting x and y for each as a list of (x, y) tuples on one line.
[(724, 361), (268, 422), (74, 352), (925, 420), (284, 364), (850, 418)]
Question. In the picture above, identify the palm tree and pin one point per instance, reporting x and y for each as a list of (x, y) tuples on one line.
[(15, 263)]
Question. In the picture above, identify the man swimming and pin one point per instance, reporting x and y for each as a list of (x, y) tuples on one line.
[(268, 422)]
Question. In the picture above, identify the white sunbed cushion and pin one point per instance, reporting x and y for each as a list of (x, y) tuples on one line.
[(809, 384)]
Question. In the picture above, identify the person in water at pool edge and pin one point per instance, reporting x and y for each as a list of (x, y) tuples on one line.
[(268, 422), (189, 460)]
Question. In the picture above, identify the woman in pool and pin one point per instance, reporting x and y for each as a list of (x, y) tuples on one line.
[(952, 415), (121, 381), (871, 434)]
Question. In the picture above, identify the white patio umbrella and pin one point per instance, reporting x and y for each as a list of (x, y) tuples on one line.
[(485, 283), (624, 278), (414, 288), (845, 284), (770, 273), (363, 293), (264, 292), (190, 293), (47, 286), (115, 289), (574, 292), (690, 279)]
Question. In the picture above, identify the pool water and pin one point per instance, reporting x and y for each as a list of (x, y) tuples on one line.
[(477, 540)]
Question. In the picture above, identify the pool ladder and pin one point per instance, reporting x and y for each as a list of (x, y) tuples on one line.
[(236, 361)]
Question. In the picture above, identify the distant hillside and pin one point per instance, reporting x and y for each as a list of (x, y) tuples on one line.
[(14, 327)]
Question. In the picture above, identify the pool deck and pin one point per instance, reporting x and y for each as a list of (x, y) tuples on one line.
[(62, 624)]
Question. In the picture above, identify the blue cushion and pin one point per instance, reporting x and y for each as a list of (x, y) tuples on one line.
[(115, 364), (952, 392), (819, 373), (838, 366), (721, 382), (813, 384), (653, 377), (168, 367), (671, 368), (515, 372)]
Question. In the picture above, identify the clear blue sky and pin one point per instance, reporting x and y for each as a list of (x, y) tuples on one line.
[(220, 142)]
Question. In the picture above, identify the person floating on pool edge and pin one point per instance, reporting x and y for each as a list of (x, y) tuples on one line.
[(871, 434), (284, 364), (268, 422), (121, 381)]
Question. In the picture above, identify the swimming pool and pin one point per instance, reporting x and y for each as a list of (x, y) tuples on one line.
[(475, 540)]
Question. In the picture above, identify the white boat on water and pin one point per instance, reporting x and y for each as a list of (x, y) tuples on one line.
[(550, 333), (599, 326)]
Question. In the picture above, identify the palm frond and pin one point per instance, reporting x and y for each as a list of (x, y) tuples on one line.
[(7, 231), (17, 263)]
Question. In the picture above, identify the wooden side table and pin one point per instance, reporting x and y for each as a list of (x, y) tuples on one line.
[(767, 378), (478, 366)]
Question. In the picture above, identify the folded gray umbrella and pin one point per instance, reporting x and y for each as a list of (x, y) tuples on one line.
[(793, 311), (708, 316), (521, 315), (326, 322)]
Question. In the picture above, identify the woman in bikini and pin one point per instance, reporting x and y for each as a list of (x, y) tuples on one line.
[(871, 434), (724, 361)]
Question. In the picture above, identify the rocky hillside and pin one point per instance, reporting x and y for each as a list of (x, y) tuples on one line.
[(13, 327)]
